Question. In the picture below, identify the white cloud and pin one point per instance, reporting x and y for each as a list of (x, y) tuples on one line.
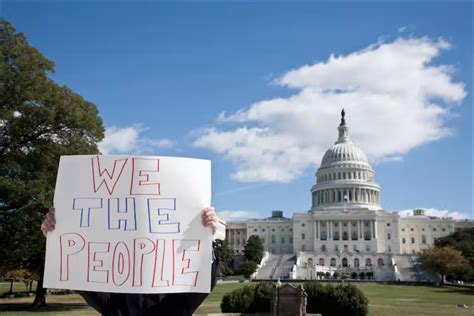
[(437, 213), (395, 97), (129, 140), (236, 215)]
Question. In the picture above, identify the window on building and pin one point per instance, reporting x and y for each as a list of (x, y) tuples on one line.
[(367, 248), (380, 262), (444, 229), (412, 240), (282, 240), (321, 261), (389, 236), (423, 239), (403, 229), (434, 229), (411, 229), (356, 262), (273, 229), (255, 230), (263, 229), (302, 225), (263, 240), (422, 229), (291, 240), (303, 236), (273, 239), (368, 262), (389, 249), (388, 224), (403, 240), (333, 262)]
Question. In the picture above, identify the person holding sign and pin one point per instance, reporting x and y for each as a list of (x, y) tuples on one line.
[(127, 304)]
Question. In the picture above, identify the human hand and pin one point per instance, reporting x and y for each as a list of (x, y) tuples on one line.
[(49, 222), (209, 219)]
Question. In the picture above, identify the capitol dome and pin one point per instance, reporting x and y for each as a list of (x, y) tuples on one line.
[(345, 176)]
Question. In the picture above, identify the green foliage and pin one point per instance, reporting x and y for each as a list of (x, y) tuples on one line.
[(246, 268), (253, 249), (463, 241), (446, 261), (335, 275), (224, 253), (249, 299), (39, 121), (330, 300), (354, 275)]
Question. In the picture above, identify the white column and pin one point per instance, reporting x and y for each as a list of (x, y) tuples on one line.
[(371, 230), (340, 230), (319, 230), (349, 223), (359, 231), (375, 229)]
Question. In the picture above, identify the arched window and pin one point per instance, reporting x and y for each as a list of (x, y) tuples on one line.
[(356, 262), (310, 262), (344, 262), (368, 262), (380, 262), (323, 248), (333, 262), (321, 261)]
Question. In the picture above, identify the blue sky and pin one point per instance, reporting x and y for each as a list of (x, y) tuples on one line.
[(252, 87)]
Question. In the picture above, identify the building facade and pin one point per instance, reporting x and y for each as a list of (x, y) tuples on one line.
[(346, 228)]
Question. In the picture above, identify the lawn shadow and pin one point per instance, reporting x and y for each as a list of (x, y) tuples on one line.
[(51, 307), (464, 291)]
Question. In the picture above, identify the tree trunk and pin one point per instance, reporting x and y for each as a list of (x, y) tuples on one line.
[(40, 297)]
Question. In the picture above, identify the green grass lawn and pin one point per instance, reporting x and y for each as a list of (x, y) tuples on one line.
[(386, 300)]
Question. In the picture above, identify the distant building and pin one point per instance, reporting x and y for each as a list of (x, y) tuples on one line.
[(346, 228)]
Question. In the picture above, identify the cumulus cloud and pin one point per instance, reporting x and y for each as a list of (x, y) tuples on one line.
[(437, 213), (236, 215), (130, 140), (396, 99)]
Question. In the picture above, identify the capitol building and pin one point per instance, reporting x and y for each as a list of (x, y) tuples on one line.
[(346, 230)]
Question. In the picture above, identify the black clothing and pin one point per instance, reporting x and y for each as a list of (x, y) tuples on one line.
[(125, 304)]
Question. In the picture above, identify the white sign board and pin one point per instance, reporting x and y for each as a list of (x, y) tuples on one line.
[(130, 224)]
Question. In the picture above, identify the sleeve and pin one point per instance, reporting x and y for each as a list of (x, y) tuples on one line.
[(96, 300)]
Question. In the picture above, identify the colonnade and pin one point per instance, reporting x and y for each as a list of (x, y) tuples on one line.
[(355, 229), (359, 195)]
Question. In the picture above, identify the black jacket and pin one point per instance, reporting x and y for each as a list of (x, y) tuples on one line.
[(124, 304)]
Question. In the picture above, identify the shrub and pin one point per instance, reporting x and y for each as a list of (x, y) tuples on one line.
[(362, 275), (328, 275), (354, 275), (246, 268), (335, 275), (330, 300), (249, 299), (370, 275)]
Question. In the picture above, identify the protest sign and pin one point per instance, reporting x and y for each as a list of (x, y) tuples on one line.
[(130, 224)]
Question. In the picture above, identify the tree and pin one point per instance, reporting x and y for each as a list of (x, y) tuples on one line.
[(247, 268), (224, 254), (253, 249), (445, 261), (39, 121), (462, 240)]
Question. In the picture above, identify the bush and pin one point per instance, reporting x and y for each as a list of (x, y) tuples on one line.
[(249, 299), (335, 275), (330, 300), (362, 275), (246, 269), (354, 275)]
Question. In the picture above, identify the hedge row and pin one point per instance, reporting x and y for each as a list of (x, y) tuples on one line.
[(329, 300)]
